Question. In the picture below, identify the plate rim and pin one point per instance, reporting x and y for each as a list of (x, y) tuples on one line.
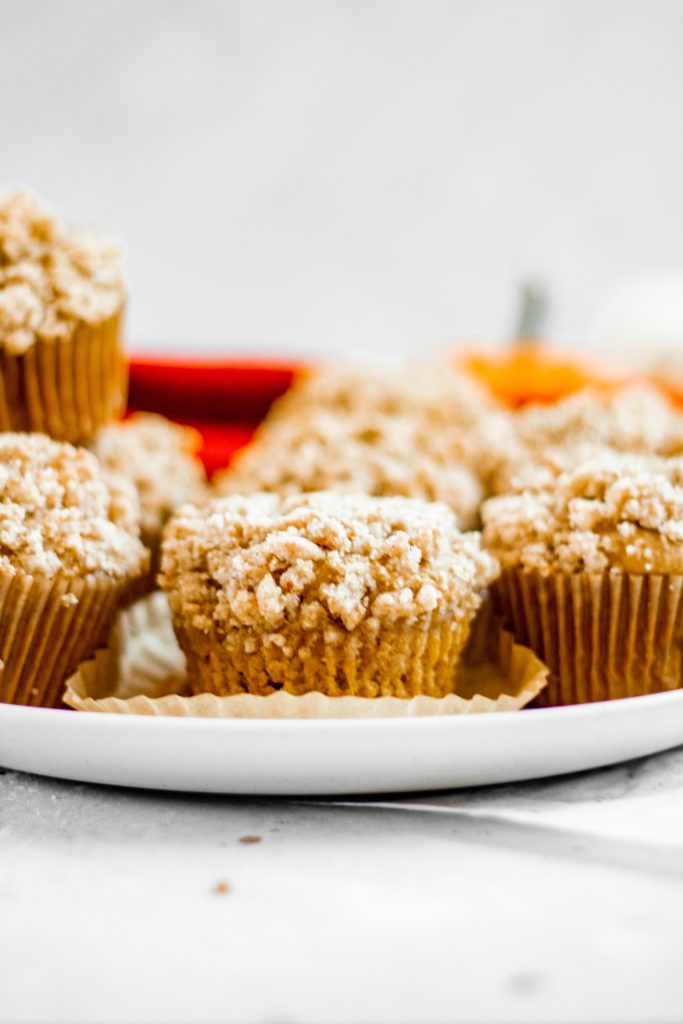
[(591, 709)]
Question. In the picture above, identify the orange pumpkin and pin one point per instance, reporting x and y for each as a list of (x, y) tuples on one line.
[(530, 371)]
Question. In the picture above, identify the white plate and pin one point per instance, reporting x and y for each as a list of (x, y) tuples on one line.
[(296, 758)]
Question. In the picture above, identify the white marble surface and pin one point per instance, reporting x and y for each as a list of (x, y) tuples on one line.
[(554, 901)]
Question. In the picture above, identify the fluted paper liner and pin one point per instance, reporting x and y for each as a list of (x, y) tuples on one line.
[(47, 627), (398, 659), (602, 635), (69, 387), (142, 672)]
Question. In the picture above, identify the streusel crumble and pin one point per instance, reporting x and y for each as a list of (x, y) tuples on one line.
[(51, 278), (58, 514), (436, 392), (160, 458), (365, 452), (617, 512)]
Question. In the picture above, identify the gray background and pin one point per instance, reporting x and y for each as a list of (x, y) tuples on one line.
[(344, 177)]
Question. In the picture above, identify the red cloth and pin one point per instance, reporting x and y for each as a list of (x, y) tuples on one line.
[(225, 402)]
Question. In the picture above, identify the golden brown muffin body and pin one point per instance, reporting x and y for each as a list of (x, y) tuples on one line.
[(342, 594)]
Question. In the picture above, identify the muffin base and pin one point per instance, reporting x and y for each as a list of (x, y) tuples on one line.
[(374, 660), (602, 635), (45, 634), (67, 388)]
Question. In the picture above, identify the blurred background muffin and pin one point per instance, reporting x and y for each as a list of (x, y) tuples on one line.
[(363, 452), (62, 368), (160, 459)]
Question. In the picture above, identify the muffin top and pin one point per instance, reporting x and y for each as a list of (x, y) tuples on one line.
[(58, 515), (622, 513), (435, 391), (318, 559), (636, 419), (159, 458), (50, 277), (363, 452)]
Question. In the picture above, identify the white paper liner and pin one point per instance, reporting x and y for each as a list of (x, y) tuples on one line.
[(142, 672)]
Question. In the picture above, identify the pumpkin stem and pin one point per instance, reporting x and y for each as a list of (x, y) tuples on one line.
[(533, 314)]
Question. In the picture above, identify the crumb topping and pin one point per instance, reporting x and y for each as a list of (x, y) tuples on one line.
[(618, 512), (636, 419), (58, 515), (264, 561), (366, 452), (435, 391), (51, 278), (160, 458)]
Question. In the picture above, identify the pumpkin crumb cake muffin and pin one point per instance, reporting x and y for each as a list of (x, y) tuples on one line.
[(62, 368), (340, 594), (160, 459), (69, 552), (378, 455), (592, 575)]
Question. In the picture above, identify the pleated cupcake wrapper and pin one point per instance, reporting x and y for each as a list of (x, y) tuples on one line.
[(67, 388), (603, 635), (142, 671), (373, 660), (44, 634)]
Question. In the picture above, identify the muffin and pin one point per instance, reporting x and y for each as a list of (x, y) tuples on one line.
[(339, 594), (592, 571), (62, 367), (69, 553), (160, 459), (378, 455)]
